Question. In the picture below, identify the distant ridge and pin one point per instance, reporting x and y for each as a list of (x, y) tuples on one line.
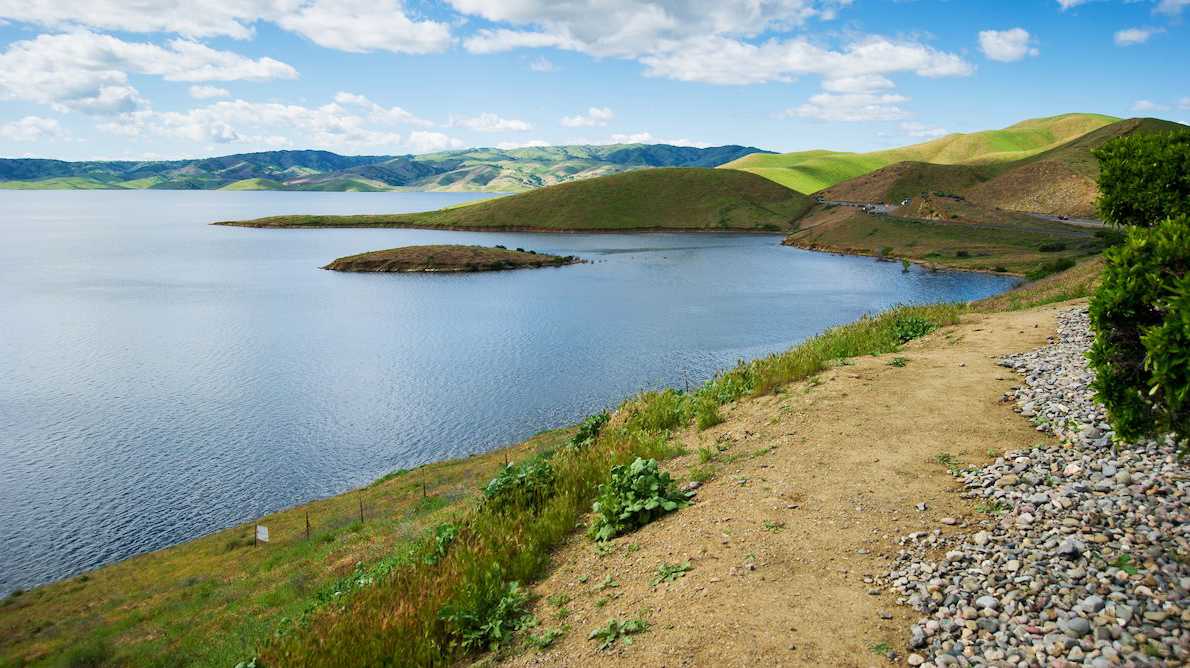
[(482, 169), (811, 171)]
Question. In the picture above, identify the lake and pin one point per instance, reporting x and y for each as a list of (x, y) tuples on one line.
[(163, 378)]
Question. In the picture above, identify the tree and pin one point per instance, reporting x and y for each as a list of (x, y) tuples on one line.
[(1144, 178)]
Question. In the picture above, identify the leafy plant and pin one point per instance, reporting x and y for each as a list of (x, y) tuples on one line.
[(905, 265), (880, 648), (670, 572), (520, 486), (618, 630), (486, 614), (635, 495), (1141, 318), (444, 535), (608, 582), (909, 327), (558, 600), (706, 414), (589, 430), (992, 507), (547, 637), (774, 527), (1124, 563), (702, 473), (898, 362), (1144, 178)]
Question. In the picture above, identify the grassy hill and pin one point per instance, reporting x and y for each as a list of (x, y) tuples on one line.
[(811, 171), (484, 169), (647, 199)]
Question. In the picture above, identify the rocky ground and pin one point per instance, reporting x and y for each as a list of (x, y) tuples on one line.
[(1084, 558)]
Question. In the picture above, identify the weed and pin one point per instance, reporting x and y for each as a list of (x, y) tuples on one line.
[(993, 507), (601, 601), (92, 653), (636, 495), (558, 600), (702, 473), (670, 572), (582, 579), (898, 362), (706, 414), (603, 549), (486, 615), (631, 547), (707, 455), (880, 648), (547, 637), (520, 486), (444, 535), (952, 464), (911, 327), (608, 582), (1124, 563), (618, 630), (589, 430), (774, 527)]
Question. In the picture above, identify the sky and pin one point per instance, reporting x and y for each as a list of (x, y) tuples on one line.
[(162, 79)]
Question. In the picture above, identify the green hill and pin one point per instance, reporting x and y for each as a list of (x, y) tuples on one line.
[(811, 171), (647, 199)]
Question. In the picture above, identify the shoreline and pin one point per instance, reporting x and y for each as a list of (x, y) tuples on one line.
[(518, 229), (860, 252)]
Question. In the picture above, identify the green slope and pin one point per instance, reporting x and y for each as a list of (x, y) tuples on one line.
[(668, 198), (811, 171), (59, 183)]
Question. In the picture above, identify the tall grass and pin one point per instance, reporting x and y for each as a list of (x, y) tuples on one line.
[(400, 620)]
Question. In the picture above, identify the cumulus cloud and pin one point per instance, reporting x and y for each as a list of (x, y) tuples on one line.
[(1007, 45), (915, 129), (351, 123), (851, 107), (860, 84), (1130, 36), (88, 72), (1171, 7), (31, 128), (1148, 105), (726, 61), (489, 122), (208, 92), (595, 117), (1068, 4), (349, 25), (508, 145)]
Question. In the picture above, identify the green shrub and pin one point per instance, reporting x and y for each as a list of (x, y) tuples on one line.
[(444, 535), (486, 613), (636, 494), (520, 486), (1047, 268), (1052, 247), (618, 630), (589, 430), (1141, 318), (1144, 179), (706, 413), (660, 411), (909, 327)]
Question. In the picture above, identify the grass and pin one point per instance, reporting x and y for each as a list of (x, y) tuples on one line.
[(647, 199), (811, 171), (446, 258), (1075, 283), (379, 592)]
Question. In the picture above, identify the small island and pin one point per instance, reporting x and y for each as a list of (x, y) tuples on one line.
[(448, 258)]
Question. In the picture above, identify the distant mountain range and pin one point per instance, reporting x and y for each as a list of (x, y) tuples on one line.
[(482, 169)]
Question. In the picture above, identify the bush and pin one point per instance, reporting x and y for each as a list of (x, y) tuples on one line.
[(1052, 247), (520, 486), (1141, 318), (1046, 268), (486, 614), (706, 413), (1144, 179), (636, 494), (589, 430), (907, 328), (660, 411)]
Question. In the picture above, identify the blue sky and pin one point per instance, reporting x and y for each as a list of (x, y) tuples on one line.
[(117, 79)]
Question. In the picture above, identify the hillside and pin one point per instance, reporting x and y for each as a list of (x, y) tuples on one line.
[(652, 199), (811, 171), (484, 169)]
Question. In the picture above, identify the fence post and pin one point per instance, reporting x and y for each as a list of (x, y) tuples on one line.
[(361, 507), (307, 525)]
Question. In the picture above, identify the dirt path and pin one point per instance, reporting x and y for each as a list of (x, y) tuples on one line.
[(812, 490)]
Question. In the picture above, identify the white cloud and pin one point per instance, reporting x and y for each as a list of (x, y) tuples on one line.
[(489, 122), (865, 83), (380, 114), (727, 61), (366, 25), (1130, 36), (595, 117), (508, 145), (89, 72), (851, 107), (915, 129), (208, 92), (1184, 103), (351, 123), (1171, 7), (633, 138), (542, 64), (349, 25), (1148, 105), (31, 128), (1007, 45), (1069, 4)]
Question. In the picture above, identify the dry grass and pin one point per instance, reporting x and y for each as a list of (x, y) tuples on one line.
[(1074, 283)]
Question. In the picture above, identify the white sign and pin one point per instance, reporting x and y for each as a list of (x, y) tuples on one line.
[(262, 533)]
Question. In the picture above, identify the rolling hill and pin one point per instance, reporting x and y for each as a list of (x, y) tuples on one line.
[(811, 171), (645, 199), (485, 169)]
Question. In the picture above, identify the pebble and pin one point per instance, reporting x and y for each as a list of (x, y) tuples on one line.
[(1079, 565)]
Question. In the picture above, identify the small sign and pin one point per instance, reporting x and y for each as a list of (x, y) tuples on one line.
[(262, 533)]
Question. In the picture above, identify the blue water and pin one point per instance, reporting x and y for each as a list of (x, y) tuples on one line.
[(161, 378)]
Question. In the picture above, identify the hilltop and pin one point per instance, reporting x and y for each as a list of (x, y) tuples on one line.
[(481, 169), (651, 199), (811, 171)]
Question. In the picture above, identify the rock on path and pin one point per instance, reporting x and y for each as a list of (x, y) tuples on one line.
[(1085, 557)]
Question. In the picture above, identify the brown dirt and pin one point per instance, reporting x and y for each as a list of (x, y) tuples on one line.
[(823, 482)]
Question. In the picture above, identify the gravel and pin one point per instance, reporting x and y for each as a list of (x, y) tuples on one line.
[(1084, 558)]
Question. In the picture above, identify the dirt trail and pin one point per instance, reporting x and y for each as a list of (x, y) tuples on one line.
[(818, 484)]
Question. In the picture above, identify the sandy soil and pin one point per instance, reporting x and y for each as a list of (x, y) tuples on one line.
[(812, 491)]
